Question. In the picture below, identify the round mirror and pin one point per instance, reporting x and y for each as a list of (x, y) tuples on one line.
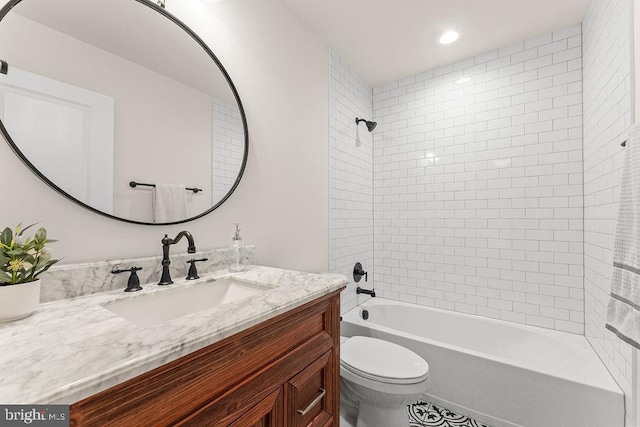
[(117, 105)]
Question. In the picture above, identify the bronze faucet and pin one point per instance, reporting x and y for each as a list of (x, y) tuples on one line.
[(166, 243)]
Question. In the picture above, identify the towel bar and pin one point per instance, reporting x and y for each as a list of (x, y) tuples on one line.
[(134, 184)]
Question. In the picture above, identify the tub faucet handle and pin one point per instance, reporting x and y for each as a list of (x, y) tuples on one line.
[(358, 272)]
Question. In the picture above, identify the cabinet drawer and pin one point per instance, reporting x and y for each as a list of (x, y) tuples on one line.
[(310, 394)]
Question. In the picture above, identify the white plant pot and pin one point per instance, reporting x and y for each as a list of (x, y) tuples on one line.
[(19, 301)]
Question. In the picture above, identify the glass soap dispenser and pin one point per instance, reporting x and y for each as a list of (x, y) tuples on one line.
[(237, 252)]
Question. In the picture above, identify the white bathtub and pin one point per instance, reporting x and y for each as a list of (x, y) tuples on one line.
[(500, 373)]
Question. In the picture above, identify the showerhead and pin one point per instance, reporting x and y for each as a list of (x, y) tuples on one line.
[(370, 125)]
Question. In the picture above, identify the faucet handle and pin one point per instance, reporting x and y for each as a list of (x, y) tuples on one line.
[(133, 284), (193, 272), (358, 272)]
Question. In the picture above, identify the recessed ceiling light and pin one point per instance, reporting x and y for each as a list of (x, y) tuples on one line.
[(449, 37)]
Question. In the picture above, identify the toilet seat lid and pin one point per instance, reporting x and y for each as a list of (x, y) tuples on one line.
[(382, 361)]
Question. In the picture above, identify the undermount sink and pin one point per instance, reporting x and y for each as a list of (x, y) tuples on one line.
[(182, 300)]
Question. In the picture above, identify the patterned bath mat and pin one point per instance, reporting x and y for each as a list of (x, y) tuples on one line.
[(425, 414)]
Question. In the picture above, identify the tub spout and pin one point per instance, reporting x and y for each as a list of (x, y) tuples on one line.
[(359, 290)]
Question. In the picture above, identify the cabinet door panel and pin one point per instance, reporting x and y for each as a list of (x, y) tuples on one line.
[(310, 394), (268, 413)]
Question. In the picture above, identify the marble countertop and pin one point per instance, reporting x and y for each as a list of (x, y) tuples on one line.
[(70, 349)]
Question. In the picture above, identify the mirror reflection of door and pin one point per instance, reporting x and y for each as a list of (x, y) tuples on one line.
[(66, 130), (176, 119)]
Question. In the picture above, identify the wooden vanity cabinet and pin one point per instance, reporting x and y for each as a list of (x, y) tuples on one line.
[(282, 372)]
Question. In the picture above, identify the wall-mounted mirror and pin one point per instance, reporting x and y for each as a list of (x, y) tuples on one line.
[(102, 93)]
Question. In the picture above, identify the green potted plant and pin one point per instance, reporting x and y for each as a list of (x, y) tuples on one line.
[(22, 260)]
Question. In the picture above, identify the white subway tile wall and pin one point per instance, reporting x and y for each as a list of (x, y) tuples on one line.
[(351, 176), (227, 147), (607, 117), (478, 185)]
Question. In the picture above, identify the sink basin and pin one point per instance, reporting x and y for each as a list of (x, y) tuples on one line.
[(182, 300)]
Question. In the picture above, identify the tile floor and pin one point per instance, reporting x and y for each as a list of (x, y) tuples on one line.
[(425, 414)]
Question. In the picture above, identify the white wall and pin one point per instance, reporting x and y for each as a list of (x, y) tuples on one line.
[(282, 200), (607, 116), (351, 178), (478, 185)]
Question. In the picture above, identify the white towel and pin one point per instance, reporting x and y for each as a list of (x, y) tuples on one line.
[(170, 203), (623, 313)]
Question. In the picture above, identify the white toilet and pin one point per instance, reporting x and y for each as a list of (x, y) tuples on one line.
[(378, 379)]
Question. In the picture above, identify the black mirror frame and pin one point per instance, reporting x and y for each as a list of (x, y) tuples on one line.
[(12, 3)]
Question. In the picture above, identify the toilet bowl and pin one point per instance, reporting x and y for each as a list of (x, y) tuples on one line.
[(378, 379)]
